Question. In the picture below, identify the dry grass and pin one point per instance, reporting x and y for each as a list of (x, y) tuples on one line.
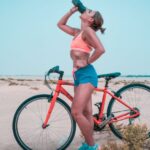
[(112, 145), (3, 79), (38, 80), (12, 83), (34, 88), (24, 80), (135, 138), (24, 84)]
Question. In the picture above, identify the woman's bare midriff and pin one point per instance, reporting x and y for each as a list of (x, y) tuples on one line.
[(80, 59)]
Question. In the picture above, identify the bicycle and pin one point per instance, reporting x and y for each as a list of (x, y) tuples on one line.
[(45, 121)]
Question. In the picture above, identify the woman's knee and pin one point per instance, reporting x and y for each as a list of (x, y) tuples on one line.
[(87, 112), (76, 113)]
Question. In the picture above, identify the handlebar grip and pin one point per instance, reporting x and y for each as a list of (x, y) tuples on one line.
[(54, 69)]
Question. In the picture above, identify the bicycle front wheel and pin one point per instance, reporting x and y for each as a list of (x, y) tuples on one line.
[(29, 118), (137, 96)]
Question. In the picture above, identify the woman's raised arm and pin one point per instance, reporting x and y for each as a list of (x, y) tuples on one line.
[(62, 24)]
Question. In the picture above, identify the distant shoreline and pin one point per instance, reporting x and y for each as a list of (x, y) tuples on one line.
[(65, 76), (137, 76)]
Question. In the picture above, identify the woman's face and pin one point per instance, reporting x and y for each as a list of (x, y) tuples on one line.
[(88, 15)]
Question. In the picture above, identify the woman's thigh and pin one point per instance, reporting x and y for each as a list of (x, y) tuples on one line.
[(82, 96), (88, 107)]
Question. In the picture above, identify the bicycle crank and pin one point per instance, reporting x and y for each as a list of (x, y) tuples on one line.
[(101, 125), (96, 126)]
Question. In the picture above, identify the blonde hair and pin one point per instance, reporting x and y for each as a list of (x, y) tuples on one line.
[(98, 22)]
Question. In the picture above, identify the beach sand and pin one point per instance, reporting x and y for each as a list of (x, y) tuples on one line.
[(14, 90)]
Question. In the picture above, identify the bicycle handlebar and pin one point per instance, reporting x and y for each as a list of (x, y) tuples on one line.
[(55, 70)]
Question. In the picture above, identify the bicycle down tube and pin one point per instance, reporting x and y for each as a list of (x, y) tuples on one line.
[(59, 89)]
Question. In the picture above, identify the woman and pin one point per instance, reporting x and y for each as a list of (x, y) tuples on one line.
[(85, 77)]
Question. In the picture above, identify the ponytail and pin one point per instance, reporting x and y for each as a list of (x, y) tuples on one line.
[(98, 22), (102, 30)]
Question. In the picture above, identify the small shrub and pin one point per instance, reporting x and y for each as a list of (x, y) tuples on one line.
[(135, 138)]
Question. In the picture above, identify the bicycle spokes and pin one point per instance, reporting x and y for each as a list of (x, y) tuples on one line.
[(137, 97)]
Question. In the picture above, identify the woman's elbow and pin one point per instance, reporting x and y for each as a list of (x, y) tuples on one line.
[(58, 25), (101, 51)]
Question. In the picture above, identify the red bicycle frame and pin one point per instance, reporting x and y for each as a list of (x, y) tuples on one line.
[(59, 89)]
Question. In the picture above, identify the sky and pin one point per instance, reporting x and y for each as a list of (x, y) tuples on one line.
[(31, 43)]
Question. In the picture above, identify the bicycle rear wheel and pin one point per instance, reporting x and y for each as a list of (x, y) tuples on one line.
[(136, 96), (29, 118)]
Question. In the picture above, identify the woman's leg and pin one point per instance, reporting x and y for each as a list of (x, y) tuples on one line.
[(88, 113), (82, 98)]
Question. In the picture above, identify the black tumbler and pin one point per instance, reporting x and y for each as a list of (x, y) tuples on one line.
[(80, 6)]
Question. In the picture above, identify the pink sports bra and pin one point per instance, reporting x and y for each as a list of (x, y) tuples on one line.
[(79, 44)]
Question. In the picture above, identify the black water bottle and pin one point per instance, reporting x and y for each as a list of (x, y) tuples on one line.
[(80, 6)]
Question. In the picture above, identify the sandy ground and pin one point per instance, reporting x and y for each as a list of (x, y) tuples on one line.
[(13, 91)]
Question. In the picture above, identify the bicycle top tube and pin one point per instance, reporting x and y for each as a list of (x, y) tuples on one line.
[(65, 82)]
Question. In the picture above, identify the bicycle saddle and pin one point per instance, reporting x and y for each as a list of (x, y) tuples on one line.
[(109, 75)]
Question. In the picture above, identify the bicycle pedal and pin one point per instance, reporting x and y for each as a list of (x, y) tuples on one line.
[(105, 122)]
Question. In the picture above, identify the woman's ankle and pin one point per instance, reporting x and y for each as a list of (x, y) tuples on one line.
[(94, 147), (91, 147)]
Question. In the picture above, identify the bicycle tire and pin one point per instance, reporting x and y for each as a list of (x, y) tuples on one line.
[(27, 124), (142, 93)]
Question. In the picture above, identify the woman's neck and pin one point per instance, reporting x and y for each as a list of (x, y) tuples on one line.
[(84, 25)]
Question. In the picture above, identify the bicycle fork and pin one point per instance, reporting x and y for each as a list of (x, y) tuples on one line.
[(52, 104)]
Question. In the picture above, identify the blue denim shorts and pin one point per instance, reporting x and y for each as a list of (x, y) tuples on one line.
[(84, 75)]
